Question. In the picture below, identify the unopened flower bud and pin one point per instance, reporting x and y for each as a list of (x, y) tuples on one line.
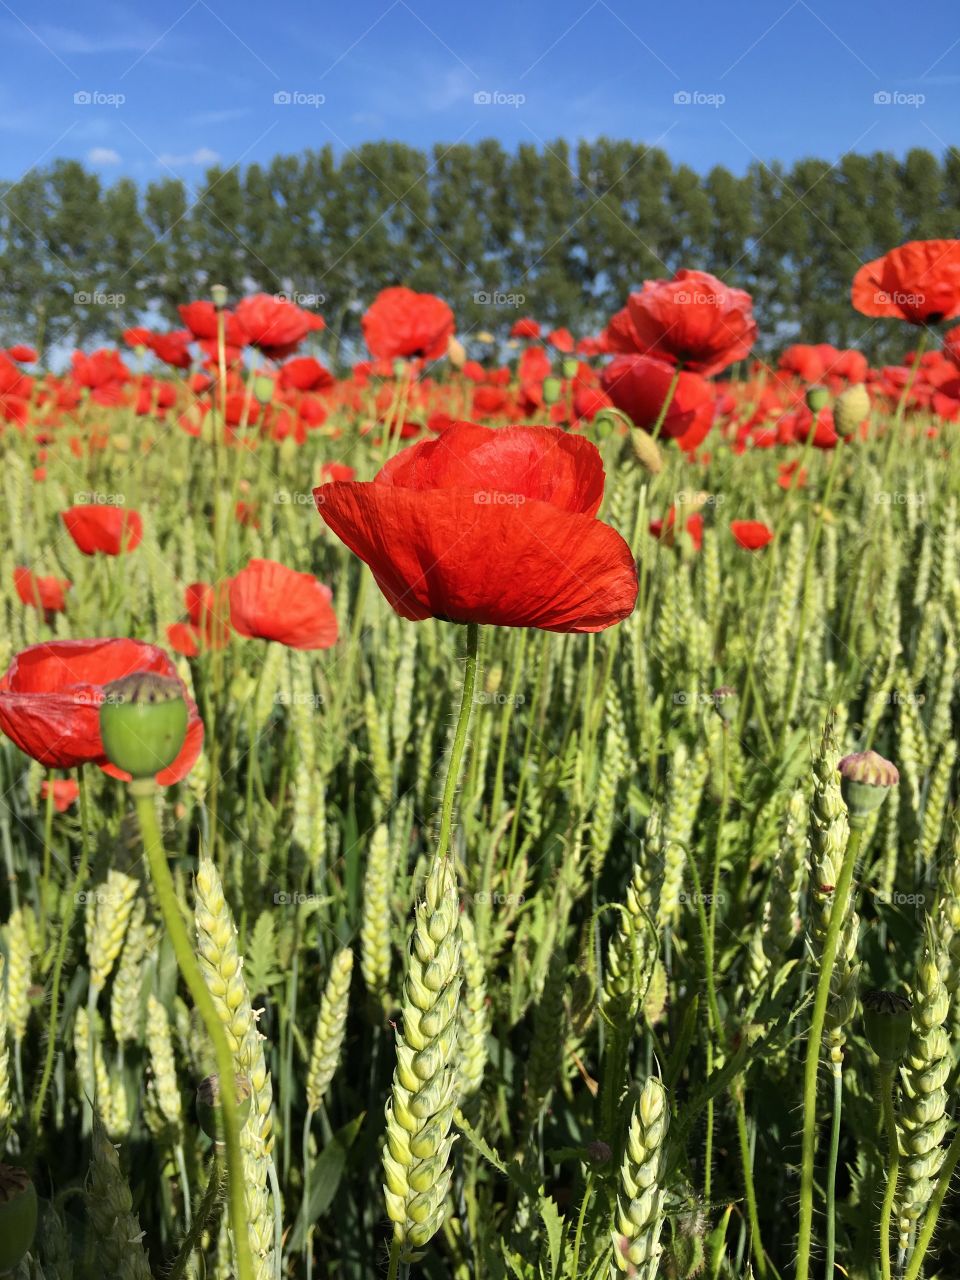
[(886, 1024), (218, 293), (570, 367), (865, 779), (18, 1216), (263, 388), (817, 398), (552, 390), (210, 1106), (850, 408), (143, 723)]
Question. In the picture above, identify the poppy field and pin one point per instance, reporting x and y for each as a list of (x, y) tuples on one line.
[(485, 808)]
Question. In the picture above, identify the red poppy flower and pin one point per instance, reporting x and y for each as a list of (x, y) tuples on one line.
[(48, 594), (525, 327), (490, 525), (50, 702), (751, 534), (137, 337), (99, 369), (337, 471), (693, 319), (209, 625), (201, 319), (561, 340), (268, 601), (22, 353), (401, 323), (919, 282), (275, 325), (65, 792), (172, 348), (665, 530), (111, 530), (305, 374), (638, 385)]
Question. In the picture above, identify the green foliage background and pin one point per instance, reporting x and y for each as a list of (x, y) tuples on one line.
[(572, 229)]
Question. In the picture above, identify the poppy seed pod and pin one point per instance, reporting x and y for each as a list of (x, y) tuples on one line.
[(865, 779), (143, 722), (570, 367), (218, 294), (552, 390), (887, 1021), (18, 1216), (210, 1108), (817, 398), (263, 388), (850, 408)]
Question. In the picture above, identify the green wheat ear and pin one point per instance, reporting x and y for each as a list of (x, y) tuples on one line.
[(424, 1093), (639, 1218)]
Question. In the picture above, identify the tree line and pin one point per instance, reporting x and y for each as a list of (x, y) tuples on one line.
[(559, 232)]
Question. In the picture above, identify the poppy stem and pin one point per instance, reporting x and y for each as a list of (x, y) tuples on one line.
[(667, 401), (143, 792), (811, 1067), (66, 924), (459, 739)]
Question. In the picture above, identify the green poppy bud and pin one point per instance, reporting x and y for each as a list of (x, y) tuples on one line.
[(552, 390), (865, 779), (143, 723), (18, 1216), (887, 1021), (850, 408), (218, 292), (817, 398), (263, 388), (570, 367), (210, 1109)]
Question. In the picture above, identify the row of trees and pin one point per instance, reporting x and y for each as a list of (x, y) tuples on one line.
[(568, 230)]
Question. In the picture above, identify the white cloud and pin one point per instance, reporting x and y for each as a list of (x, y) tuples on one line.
[(202, 155), (103, 155)]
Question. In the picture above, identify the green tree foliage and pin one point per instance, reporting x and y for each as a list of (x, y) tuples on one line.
[(561, 233)]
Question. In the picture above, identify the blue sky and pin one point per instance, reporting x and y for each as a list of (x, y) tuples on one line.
[(161, 89)]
